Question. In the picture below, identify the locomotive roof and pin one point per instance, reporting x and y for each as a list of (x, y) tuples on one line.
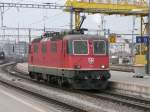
[(72, 37)]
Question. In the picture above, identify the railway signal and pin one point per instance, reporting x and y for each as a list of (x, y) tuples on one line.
[(112, 38)]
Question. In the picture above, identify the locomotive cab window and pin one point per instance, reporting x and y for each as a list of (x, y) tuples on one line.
[(80, 47), (99, 47), (69, 47), (53, 47), (35, 48), (44, 48)]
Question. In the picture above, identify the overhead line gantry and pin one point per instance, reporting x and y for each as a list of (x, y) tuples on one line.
[(24, 5), (40, 6), (108, 7)]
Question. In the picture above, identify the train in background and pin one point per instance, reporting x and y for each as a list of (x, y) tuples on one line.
[(77, 60), (2, 55)]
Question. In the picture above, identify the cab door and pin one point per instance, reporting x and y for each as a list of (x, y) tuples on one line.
[(61, 57), (64, 54)]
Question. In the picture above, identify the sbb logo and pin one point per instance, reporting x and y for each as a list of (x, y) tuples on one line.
[(91, 60)]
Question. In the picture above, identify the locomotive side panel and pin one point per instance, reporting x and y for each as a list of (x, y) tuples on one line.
[(48, 58)]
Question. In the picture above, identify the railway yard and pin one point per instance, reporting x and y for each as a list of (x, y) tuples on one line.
[(75, 56), (32, 96)]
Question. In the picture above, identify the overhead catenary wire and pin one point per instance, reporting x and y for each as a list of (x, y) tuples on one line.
[(52, 19), (58, 1)]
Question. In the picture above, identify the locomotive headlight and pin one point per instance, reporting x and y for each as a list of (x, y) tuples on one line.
[(103, 66)]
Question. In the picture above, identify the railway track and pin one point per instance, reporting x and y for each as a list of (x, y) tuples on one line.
[(44, 98), (67, 107), (130, 101), (3, 61), (115, 97)]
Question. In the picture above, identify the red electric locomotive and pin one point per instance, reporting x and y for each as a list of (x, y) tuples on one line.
[(78, 60)]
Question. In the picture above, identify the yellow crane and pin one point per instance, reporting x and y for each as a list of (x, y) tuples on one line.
[(110, 7)]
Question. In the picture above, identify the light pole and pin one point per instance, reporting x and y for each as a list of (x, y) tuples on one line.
[(132, 46), (2, 16), (29, 35), (71, 19), (148, 46)]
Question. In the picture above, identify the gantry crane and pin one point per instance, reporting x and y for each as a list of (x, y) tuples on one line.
[(110, 7)]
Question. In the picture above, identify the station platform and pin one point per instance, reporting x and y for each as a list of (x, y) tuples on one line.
[(120, 81)]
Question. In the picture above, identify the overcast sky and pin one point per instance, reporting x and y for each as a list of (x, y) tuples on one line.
[(60, 19)]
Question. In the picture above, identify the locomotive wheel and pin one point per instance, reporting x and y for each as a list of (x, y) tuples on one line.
[(37, 77), (67, 83), (60, 81), (32, 75), (45, 80), (48, 78)]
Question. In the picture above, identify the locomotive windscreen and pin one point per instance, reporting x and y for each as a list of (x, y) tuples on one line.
[(80, 47), (99, 47)]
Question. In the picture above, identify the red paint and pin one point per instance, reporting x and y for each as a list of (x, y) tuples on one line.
[(63, 60)]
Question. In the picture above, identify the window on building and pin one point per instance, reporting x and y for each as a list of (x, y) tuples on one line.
[(53, 47)]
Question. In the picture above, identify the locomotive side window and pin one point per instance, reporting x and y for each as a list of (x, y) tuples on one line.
[(80, 47), (35, 48), (69, 47), (44, 48), (53, 47), (99, 47)]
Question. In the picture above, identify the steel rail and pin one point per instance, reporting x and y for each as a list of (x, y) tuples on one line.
[(47, 99), (44, 98), (132, 101)]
